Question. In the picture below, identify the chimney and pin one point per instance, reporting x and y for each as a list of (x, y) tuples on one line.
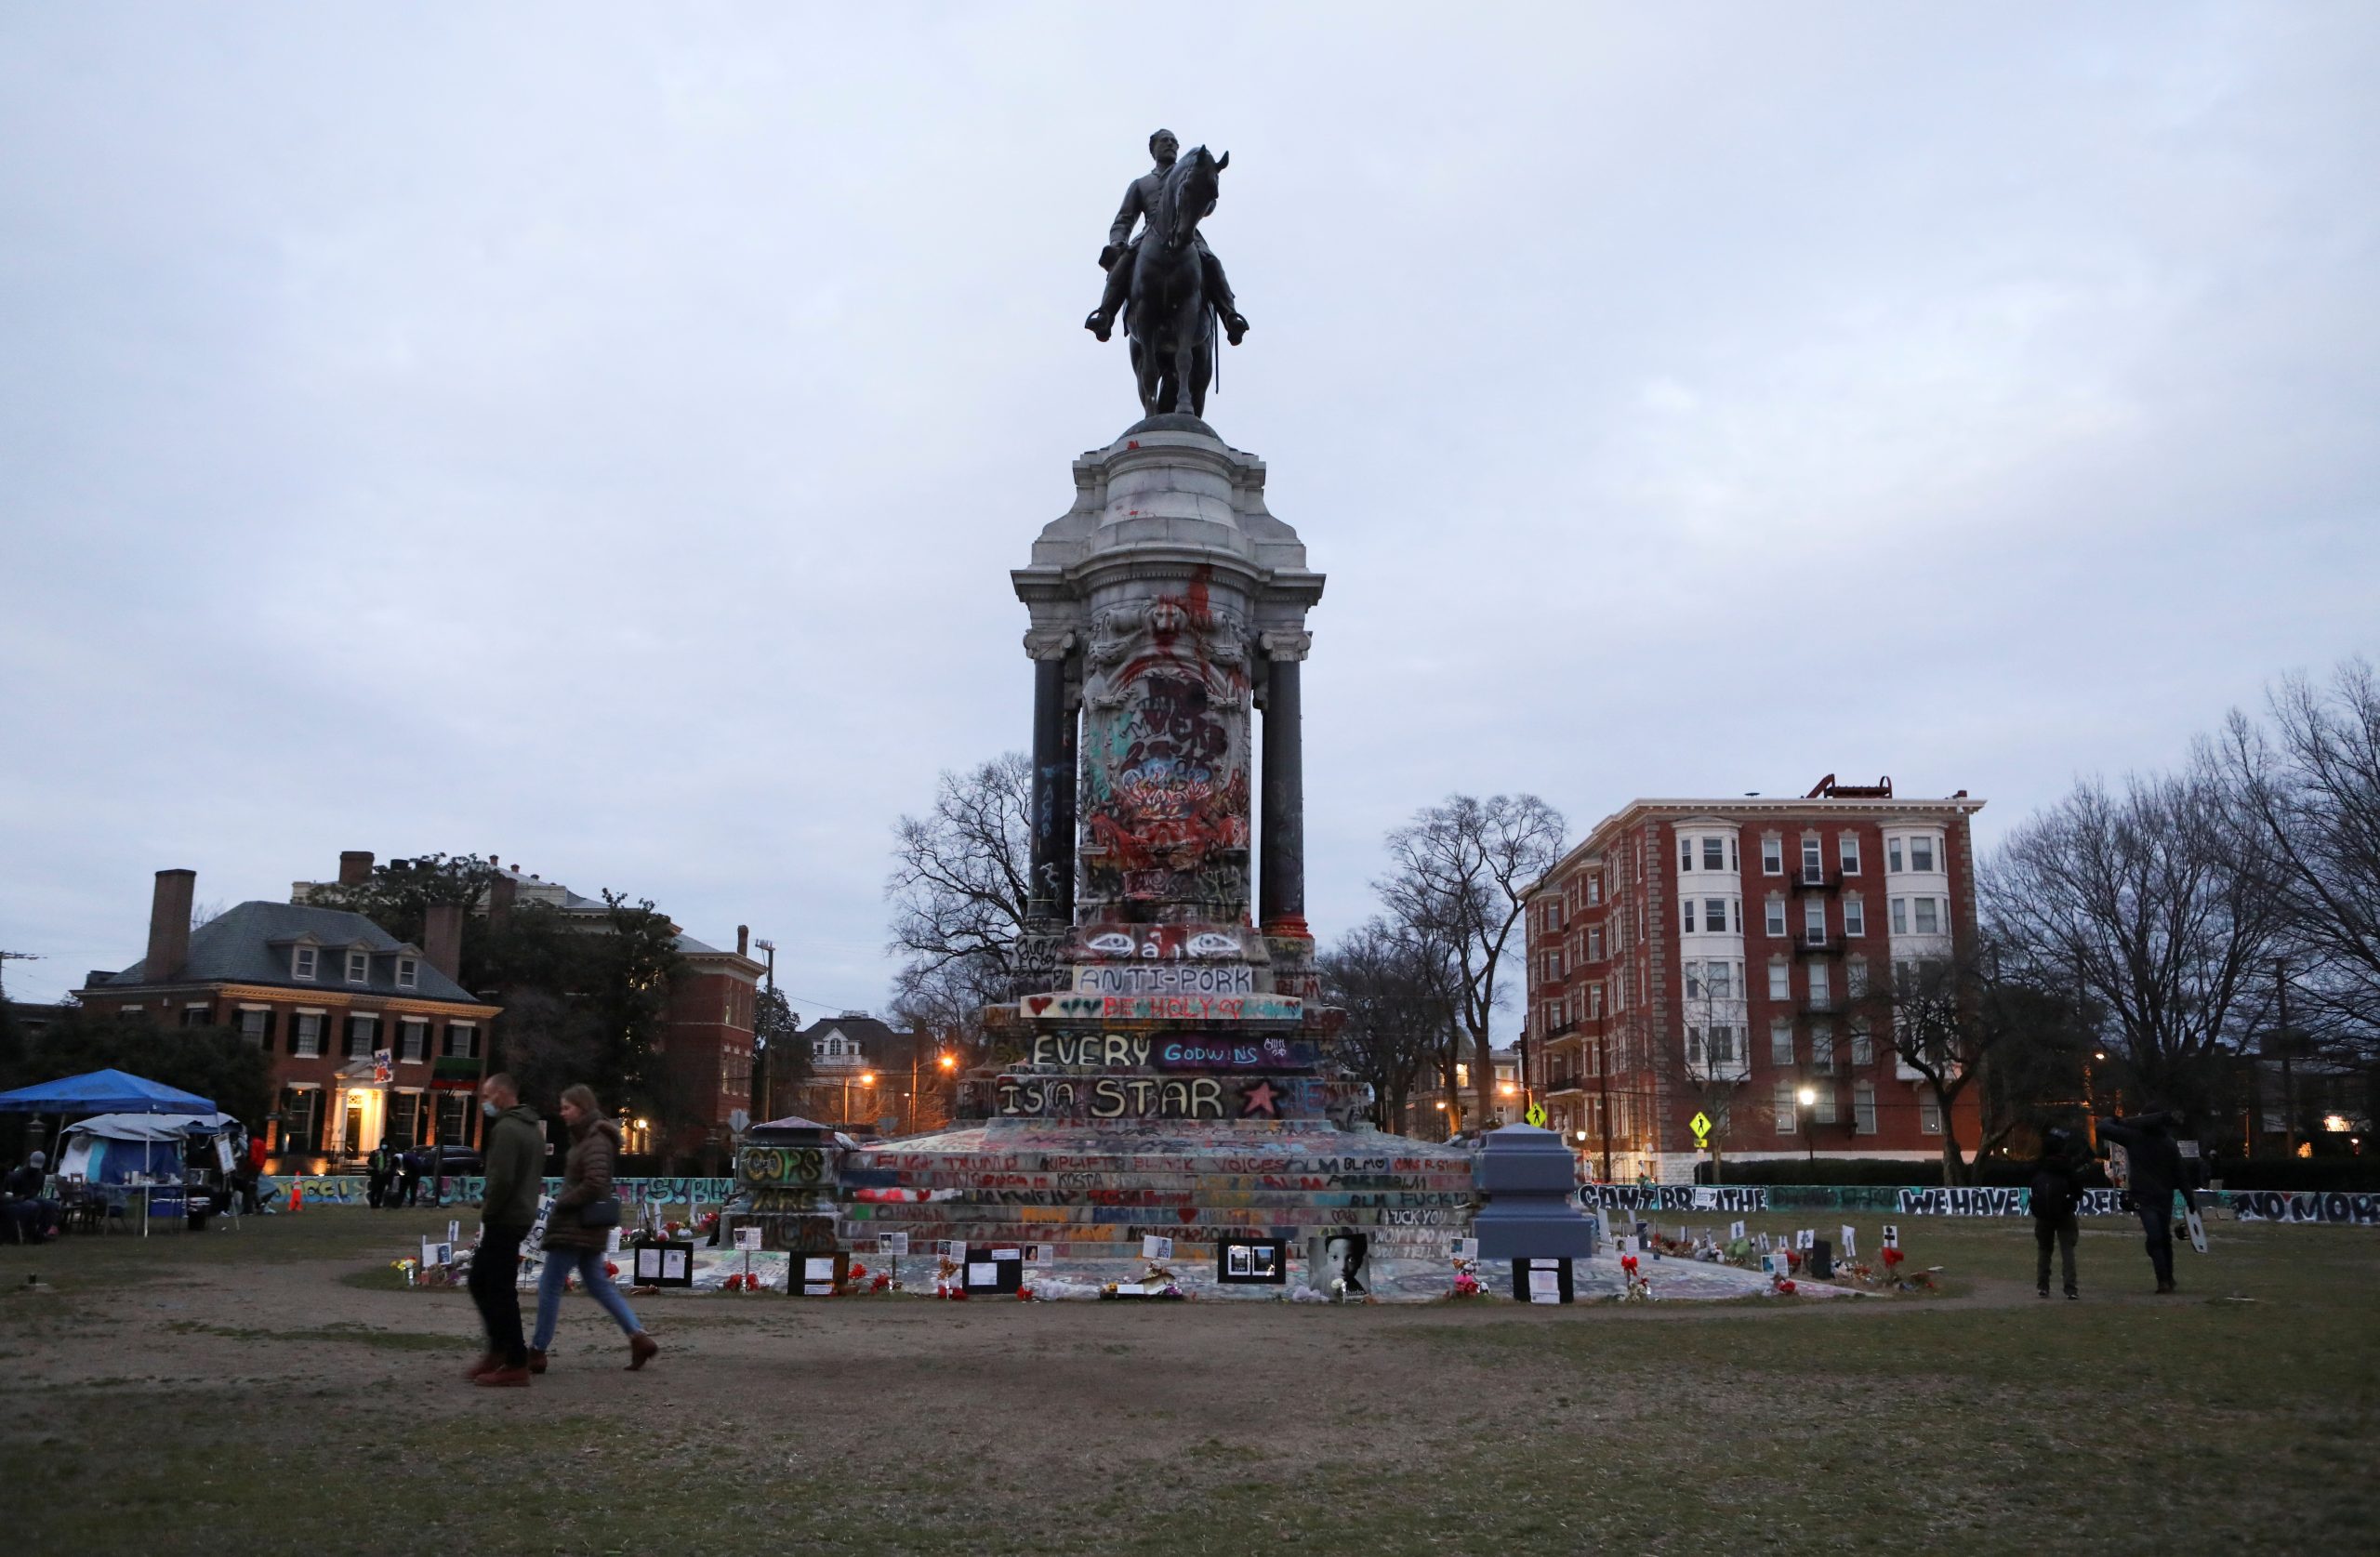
[(742, 940), (170, 926), (441, 938), (501, 892), (354, 866)]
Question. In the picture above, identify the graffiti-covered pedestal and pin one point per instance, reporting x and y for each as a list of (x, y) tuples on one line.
[(1167, 1066), (785, 1185)]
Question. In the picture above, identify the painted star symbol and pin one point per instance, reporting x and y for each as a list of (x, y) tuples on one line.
[(1260, 1101)]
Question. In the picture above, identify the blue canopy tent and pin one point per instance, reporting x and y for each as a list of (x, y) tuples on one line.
[(116, 1092), (103, 1092)]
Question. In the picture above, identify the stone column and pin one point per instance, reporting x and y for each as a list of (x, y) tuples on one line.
[(1053, 779), (1281, 859)]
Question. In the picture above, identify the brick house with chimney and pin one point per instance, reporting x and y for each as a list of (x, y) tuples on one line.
[(370, 1038), (707, 1039)]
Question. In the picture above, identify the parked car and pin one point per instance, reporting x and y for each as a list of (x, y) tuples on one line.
[(458, 1160)]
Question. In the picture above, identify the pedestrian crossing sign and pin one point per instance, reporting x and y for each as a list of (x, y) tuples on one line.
[(1536, 1115), (1700, 1126)]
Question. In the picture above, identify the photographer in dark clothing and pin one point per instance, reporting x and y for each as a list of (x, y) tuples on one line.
[(2148, 1140)]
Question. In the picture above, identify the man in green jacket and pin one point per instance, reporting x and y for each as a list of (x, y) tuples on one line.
[(514, 1151)]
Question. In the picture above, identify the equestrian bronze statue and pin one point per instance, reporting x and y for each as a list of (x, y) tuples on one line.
[(1168, 282)]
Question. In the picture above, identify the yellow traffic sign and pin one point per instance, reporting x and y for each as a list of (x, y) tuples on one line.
[(1536, 1115), (1700, 1126)]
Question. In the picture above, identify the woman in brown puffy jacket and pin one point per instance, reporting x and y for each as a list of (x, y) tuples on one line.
[(579, 1237)]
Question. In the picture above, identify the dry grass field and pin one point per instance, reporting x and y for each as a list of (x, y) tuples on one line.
[(278, 1391)]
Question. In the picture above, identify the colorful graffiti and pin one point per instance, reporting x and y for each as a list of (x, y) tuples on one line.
[(779, 1165), (1165, 978), (348, 1189), (1052, 1010), (1260, 1098), (1166, 701)]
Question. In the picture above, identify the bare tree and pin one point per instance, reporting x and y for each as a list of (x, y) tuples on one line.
[(1397, 989), (1459, 871), (2308, 790), (2144, 901), (1713, 1063), (960, 889)]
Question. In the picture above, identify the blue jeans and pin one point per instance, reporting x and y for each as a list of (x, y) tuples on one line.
[(588, 1265)]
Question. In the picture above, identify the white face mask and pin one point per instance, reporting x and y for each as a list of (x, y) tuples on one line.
[(488, 1109)]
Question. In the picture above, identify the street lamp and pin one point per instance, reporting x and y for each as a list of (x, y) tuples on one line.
[(1807, 1097), (866, 1078)]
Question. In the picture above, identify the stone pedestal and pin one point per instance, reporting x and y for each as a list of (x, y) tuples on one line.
[(1173, 1071)]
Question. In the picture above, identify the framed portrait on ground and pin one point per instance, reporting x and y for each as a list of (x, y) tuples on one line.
[(994, 1269), (816, 1276), (1252, 1262), (1541, 1281), (662, 1263)]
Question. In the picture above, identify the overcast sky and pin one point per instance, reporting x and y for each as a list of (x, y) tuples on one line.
[(600, 436)]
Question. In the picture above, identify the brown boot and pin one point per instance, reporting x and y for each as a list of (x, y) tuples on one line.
[(641, 1350), (504, 1378), (489, 1362), (538, 1360)]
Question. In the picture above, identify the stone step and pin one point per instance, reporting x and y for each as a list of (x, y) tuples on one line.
[(916, 1220), (1190, 1243), (895, 1166), (1093, 1200), (1289, 1184)]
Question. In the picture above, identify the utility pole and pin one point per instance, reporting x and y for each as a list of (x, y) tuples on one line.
[(769, 1076), (1602, 1099), (2288, 1074)]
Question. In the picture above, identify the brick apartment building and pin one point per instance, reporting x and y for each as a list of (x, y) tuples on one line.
[(370, 1038), (1719, 957)]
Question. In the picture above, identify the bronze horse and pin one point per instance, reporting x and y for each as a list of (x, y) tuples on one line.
[(1170, 319)]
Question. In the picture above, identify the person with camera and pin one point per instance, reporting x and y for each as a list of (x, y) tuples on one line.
[(578, 1230)]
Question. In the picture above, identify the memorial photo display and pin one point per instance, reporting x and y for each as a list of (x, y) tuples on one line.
[(1541, 1281), (1252, 1262), (995, 1268), (665, 1264)]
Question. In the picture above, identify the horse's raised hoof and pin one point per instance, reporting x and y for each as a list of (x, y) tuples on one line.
[(1100, 325)]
